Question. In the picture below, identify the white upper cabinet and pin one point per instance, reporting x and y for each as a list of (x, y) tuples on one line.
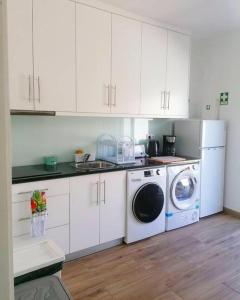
[(93, 34), (178, 66), (154, 63), (72, 58), (41, 45), (20, 63), (126, 65), (54, 55)]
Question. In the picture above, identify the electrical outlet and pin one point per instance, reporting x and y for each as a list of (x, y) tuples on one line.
[(208, 107)]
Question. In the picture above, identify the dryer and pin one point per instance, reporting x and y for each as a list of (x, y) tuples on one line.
[(183, 195), (146, 191)]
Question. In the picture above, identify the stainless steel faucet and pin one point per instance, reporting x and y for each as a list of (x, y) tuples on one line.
[(86, 157)]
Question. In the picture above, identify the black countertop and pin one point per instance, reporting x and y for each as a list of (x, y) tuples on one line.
[(62, 170)]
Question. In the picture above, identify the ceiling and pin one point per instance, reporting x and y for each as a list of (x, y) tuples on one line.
[(203, 18)]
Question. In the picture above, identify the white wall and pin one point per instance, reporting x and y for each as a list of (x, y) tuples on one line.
[(215, 69), (6, 278)]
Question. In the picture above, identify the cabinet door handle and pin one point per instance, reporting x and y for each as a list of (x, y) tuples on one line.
[(29, 88), (108, 94), (30, 192), (104, 191), (165, 100), (25, 193), (97, 184), (114, 103), (39, 89), (162, 99), (24, 219), (169, 96)]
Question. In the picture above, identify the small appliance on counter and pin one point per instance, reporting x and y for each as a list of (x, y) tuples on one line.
[(153, 147), (50, 161), (169, 142), (118, 151), (79, 155), (140, 151)]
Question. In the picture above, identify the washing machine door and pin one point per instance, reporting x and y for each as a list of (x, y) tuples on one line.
[(183, 190), (148, 202)]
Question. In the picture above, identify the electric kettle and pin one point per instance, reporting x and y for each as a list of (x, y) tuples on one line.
[(153, 148)]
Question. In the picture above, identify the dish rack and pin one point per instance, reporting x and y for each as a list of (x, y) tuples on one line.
[(118, 151)]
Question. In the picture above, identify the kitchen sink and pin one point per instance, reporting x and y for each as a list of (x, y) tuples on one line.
[(94, 165)]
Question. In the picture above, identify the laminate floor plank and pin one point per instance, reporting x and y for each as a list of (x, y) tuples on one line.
[(197, 262)]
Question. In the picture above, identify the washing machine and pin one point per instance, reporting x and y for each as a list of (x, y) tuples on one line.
[(146, 202), (183, 195)]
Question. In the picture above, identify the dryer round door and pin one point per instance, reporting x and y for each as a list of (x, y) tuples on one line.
[(183, 190), (148, 202)]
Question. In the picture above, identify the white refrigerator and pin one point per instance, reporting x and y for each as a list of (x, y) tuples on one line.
[(205, 139)]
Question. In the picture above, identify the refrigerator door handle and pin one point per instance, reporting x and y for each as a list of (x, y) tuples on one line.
[(208, 148)]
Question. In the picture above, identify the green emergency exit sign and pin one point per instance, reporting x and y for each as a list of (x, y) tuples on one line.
[(224, 98)]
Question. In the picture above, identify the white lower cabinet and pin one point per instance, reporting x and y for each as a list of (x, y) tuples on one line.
[(84, 212), (113, 206), (57, 226), (60, 235), (97, 213)]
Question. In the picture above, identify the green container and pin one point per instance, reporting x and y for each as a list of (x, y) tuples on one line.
[(50, 160)]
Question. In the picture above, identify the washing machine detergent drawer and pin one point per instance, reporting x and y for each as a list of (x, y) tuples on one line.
[(180, 219)]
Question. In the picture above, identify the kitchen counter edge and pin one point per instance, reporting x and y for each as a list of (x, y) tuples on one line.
[(65, 170)]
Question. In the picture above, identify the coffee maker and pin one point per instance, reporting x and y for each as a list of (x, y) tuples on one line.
[(169, 145)]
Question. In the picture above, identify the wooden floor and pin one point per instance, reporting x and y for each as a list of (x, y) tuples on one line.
[(198, 262)]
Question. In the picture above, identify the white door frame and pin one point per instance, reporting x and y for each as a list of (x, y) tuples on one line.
[(6, 264)]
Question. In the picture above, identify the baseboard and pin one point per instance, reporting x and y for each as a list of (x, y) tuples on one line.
[(231, 212), (92, 250)]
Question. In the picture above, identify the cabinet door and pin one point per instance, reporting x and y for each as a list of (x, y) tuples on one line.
[(22, 214), (178, 74), (54, 55), (154, 62), (23, 192), (21, 218), (126, 65), (20, 63), (113, 206), (93, 59), (84, 212), (60, 235), (58, 211)]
